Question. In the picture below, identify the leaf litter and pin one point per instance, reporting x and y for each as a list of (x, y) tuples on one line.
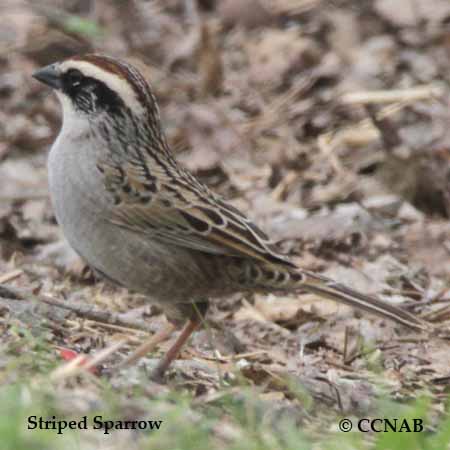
[(322, 124)]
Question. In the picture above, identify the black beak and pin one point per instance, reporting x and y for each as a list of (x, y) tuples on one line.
[(49, 75)]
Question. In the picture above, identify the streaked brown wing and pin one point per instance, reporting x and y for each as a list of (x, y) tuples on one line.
[(161, 200), (194, 228)]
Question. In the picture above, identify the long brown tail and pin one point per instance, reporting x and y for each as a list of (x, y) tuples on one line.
[(288, 277), (328, 288)]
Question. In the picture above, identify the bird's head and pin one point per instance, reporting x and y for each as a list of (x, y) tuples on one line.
[(93, 88)]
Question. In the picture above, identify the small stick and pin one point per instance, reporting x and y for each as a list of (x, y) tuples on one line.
[(81, 364), (395, 95), (10, 275), (79, 308), (67, 369)]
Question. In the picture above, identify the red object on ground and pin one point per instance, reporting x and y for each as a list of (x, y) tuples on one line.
[(67, 354)]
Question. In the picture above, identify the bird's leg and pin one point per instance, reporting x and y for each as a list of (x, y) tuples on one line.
[(148, 345), (173, 351)]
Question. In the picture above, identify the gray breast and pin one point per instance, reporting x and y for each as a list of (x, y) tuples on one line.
[(82, 205)]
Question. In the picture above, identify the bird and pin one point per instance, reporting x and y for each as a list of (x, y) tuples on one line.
[(144, 222)]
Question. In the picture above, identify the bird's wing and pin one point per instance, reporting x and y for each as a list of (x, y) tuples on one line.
[(162, 201)]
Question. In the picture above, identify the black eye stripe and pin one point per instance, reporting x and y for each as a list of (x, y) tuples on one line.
[(89, 94)]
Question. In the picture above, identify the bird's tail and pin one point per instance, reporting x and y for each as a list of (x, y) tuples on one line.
[(288, 277), (332, 290)]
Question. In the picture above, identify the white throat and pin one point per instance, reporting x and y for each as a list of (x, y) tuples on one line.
[(74, 123)]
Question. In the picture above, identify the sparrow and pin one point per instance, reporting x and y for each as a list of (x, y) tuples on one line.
[(142, 221)]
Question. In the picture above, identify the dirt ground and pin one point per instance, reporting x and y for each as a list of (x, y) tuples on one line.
[(327, 122)]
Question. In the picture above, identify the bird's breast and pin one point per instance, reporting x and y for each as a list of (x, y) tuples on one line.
[(77, 192), (132, 259)]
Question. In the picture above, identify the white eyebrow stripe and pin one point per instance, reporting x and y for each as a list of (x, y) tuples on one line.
[(113, 81)]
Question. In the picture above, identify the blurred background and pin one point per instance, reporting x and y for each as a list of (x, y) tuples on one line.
[(290, 107), (326, 121)]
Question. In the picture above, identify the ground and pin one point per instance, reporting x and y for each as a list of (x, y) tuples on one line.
[(327, 122)]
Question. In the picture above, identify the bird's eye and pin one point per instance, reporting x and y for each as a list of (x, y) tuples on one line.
[(74, 77)]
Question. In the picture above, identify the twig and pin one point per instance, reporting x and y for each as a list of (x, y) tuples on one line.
[(10, 275), (80, 308), (23, 197), (413, 94), (80, 364), (290, 7), (440, 314), (59, 19)]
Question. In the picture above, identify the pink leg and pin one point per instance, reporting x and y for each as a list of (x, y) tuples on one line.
[(148, 346), (172, 353)]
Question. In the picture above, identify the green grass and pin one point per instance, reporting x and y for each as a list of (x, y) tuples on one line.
[(232, 423), (83, 26), (239, 419)]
